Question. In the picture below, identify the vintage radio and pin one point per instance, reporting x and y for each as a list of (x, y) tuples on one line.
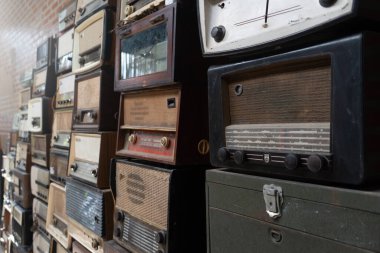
[(93, 42), (90, 155), (41, 149), (23, 129), (6, 229), (40, 114), (158, 49), (44, 80), (91, 207), (66, 17), (26, 78), (291, 114), (59, 159), (65, 52), (22, 221), (65, 91), (56, 247), (15, 248), (157, 124), (62, 128), (96, 104), (79, 248), (39, 181), (16, 121), (86, 8), (8, 165), (25, 96), (23, 159), (41, 243), (230, 27), (40, 215), (56, 220), (46, 54), (22, 193), (159, 209), (132, 10)]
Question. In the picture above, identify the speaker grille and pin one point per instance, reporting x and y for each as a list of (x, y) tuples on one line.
[(143, 193), (86, 206)]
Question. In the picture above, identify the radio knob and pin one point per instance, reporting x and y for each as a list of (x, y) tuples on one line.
[(82, 10), (165, 142), (218, 33), (94, 173), (160, 237), (95, 244), (132, 139), (74, 167), (327, 3), (291, 161), (129, 9), (77, 117), (239, 157), (82, 61), (315, 163), (119, 216), (223, 154), (56, 137), (118, 232)]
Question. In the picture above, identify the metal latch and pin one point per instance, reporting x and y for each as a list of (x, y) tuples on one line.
[(273, 200)]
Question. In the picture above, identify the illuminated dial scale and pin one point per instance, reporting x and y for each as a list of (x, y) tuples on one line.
[(232, 25)]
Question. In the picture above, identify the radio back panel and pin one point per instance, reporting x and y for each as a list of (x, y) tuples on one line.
[(93, 42), (66, 17), (56, 221), (40, 242), (62, 128), (65, 91), (86, 8), (41, 149), (22, 221), (65, 51), (22, 194), (40, 180), (23, 159), (305, 136), (90, 155), (59, 159), (40, 115)]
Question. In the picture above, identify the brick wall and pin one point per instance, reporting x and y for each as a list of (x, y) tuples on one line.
[(24, 24)]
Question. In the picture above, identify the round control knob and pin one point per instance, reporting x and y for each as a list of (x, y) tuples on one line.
[(129, 9), (82, 10), (223, 154), (160, 237), (165, 142), (327, 3), (132, 139), (95, 244), (315, 163), (218, 33), (119, 216), (94, 173), (291, 161), (77, 117), (93, 115), (74, 167), (55, 221), (82, 61), (118, 232), (56, 137), (239, 157)]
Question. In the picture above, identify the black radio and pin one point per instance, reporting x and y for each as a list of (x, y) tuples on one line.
[(22, 223)]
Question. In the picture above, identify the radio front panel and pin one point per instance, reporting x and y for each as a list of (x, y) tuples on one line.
[(41, 242), (40, 114), (40, 149), (86, 237), (40, 215), (22, 193), (40, 180), (21, 223), (62, 128), (130, 11), (44, 82), (46, 53), (65, 52), (23, 157), (23, 129), (301, 130), (65, 91), (66, 17), (59, 160), (25, 96), (86, 8)]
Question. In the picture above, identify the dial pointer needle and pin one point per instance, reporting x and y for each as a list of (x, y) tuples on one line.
[(266, 14)]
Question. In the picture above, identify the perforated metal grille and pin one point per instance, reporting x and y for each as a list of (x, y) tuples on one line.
[(85, 206), (143, 193)]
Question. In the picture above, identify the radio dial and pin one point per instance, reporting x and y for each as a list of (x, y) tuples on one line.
[(315, 163), (74, 167), (160, 237), (327, 3), (165, 142), (239, 157), (291, 161), (218, 33), (95, 244), (132, 139)]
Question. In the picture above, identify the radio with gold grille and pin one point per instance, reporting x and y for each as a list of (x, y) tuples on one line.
[(46, 54), (39, 181), (159, 209), (23, 159), (291, 114), (157, 50), (22, 193), (132, 10), (93, 42), (56, 220), (231, 27), (43, 82), (65, 52), (22, 221), (86, 8), (96, 104), (39, 215), (62, 128), (40, 149), (156, 124), (66, 17), (41, 243), (90, 156), (79, 248), (65, 91), (25, 96), (40, 114), (59, 160)]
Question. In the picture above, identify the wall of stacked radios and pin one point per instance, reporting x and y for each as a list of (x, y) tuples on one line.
[(133, 105)]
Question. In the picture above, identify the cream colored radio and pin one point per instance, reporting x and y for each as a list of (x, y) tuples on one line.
[(39, 182), (39, 115)]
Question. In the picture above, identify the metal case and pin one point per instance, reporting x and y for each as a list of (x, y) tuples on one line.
[(228, 27), (159, 208), (39, 215), (94, 43), (23, 158), (41, 243), (62, 128), (65, 91), (22, 193), (65, 52), (56, 220), (96, 104), (59, 160), (22, 221), (44, 80), (40, 113), (46, 54), (305, 217), (90, 155), (86, 8), (66, 17), (158, 49), (40, 180), (158, 125), (300, 123), (41, 149)]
